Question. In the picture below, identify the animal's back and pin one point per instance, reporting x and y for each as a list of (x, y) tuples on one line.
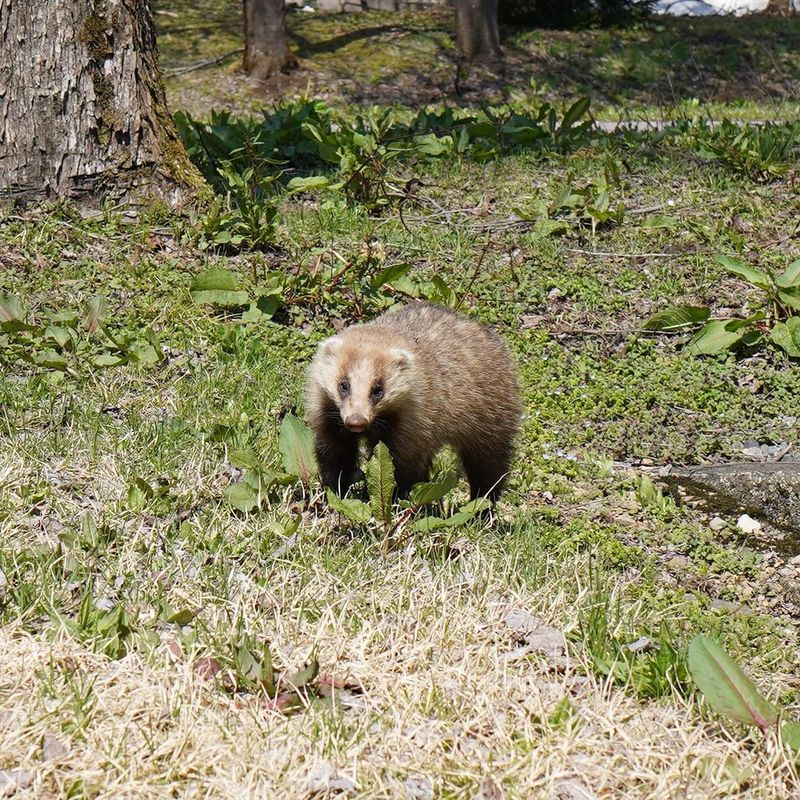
[(471, 382)]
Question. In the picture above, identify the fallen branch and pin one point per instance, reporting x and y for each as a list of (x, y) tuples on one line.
[(200, 65)]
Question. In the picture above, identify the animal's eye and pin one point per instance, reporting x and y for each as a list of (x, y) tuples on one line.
[(344, 388), (377, 392)]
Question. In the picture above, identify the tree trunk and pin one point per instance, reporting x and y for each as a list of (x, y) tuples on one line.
[(83, 114), (779, 8), (266, 41), (476, 30)]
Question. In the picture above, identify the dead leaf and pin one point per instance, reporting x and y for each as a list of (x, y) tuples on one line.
[(538, 636), (326, 778), (532, 320), (418, 787), (574, 789), (53, 748), (13, 779), (206, 668), (489, 790), (334, 681), (173, 647)]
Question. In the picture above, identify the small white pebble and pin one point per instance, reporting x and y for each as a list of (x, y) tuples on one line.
[(717, 524), (748, 524)]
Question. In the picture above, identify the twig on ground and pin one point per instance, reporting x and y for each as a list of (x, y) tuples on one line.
[(211, 62), (603, 254), (558, 331), (475, 273)]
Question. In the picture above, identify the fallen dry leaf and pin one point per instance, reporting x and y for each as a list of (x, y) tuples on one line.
[(207, 668)]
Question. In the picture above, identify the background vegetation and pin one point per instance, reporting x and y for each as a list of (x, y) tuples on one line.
[(173, 581)]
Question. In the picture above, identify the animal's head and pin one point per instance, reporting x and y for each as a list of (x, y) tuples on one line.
[(362, 379)]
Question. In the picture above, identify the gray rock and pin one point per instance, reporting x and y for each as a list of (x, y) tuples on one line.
[(768, 491)]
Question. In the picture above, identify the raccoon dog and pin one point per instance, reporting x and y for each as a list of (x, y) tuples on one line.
[(416, 379)]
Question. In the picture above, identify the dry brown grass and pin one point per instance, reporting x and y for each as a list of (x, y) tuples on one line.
[(442, 713)]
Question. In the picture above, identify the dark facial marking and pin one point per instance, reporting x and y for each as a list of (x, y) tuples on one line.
[(344, 388), (376, 393)]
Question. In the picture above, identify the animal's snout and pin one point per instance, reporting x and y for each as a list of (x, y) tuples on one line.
[(357, 423)]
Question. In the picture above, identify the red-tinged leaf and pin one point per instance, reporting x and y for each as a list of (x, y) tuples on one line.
[(296, 444), (173, 647), (96, 310), (284, 703), (334, 681), (207, 668)]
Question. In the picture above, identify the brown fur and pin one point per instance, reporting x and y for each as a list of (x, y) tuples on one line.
[(445, 379)]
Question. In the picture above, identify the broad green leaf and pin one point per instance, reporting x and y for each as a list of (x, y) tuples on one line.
[(144, 353), (750, 274), (676, 317), (50, 359), (11, 309), (575, 112), (308, 184), (429, 524), (107, 360), (136, 499), (752, 338), (217, 297), (263, 308), (787, 336), (463, 515), (304, 676), (737, 324), (659, 221), (217, 286), (145, 488), (215, 278), (725, 686), (379, 472), (244, 458), (790, 277), (297, 448), (182, 617), (550, 227), (482, 130), (242, 496), (261, 479), (445, 293), (61, 336), (390, 275), (714, 337), (355, 510), (790, 732), (431, 145), (476, 506), (247, 665), (790, 297), (430, 492)]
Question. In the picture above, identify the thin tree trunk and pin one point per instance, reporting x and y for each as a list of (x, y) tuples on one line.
[(780, 8), (83, 114), (476, 30), (266, 40)]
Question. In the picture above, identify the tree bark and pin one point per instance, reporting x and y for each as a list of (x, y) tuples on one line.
[(779, 8), (476, 30), (83, 114), (266, 40)]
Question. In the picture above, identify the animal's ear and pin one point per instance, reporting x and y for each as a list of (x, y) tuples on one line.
[(330, 347), (402, 358)]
